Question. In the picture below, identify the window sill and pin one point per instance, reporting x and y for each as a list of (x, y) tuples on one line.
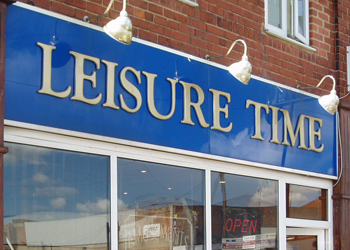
[(290, 40), (189, 2)]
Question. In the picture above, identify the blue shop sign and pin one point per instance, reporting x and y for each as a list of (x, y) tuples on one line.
[(66, 74)]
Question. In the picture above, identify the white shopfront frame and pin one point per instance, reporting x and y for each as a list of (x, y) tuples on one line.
[(81, 142)]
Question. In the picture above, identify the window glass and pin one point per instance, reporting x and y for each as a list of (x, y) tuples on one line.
[(301, 17), (306, 202), (275, 13), (305, 238), (160, 206), (244, 212), (290, 23), (300, 242), (55, 198)]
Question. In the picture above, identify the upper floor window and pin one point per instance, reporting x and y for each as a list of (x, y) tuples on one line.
[(288, 18)]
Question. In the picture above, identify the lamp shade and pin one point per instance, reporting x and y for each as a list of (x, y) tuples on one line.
[(120, 28), (329, 102), (241, 70)]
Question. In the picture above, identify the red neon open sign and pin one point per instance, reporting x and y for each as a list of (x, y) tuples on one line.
[(239, 225)]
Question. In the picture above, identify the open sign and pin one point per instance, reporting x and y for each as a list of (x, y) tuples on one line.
[(241, 222), (245, 225)]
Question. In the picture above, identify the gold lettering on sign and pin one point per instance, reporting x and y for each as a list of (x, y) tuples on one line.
[(217, 110), (150, 96), (289, 132), (257, 112), (131, 89), (274, 138), (110, 88), (196, 105), (80, 76), (313, 133), (46, 87)]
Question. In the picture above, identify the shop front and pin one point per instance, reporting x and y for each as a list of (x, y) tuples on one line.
[(143, 147)]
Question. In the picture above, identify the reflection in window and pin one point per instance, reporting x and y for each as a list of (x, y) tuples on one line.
[(55, 198), (306, 202), (301, 17), (160, 206), (244, 212), (299, 242), (275, 13)]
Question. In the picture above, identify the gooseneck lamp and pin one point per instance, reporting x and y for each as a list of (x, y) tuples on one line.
[(328, 102), (119, 29), (241, 70)]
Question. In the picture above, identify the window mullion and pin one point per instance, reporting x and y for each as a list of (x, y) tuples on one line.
[(208, 226), (114, 204), (329, 232), (302, 35), (282, 208), (284, 17)]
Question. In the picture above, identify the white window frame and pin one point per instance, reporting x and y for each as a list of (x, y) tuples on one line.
[(316, 225), (283, 31), (305, 39), (190, 2), (35, 135), (269, 27)]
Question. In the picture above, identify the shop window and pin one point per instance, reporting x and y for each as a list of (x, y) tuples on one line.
[(160, 206), (63, 200), (244, 212), (306, 202), (55, 199), (288, 19)]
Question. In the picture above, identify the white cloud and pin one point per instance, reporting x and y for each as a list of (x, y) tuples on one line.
[(121, 204), (241, 136), (99, 207), (265, 196), (299, 198), (300, 195), (233, 143), (56, 191), (36, 155), (58, 203), (40, 177)]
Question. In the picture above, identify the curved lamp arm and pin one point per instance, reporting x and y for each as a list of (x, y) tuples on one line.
[(87, 19), (333, 89), (328, 102), (230, 49)]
